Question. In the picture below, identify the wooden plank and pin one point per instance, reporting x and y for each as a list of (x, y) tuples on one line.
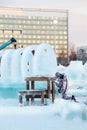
[(25, 91), (32, 94), (52, 78), (36, 79), (39, 78)]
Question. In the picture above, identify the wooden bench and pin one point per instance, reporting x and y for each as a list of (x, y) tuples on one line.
[(31, 94)]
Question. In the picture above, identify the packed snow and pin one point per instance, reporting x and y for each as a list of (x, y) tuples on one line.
[(62, 115)]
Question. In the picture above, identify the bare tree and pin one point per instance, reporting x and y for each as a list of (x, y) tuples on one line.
[(73, 53), (81, 55)]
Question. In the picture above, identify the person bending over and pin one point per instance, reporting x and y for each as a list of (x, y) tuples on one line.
[(62, 83)]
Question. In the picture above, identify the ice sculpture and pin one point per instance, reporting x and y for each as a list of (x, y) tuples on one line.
[(6, 65), (26, 61), (34, 60), (44, 61), (74, 70), (15, 66)]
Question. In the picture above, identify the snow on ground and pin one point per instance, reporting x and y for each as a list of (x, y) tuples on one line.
[(62, 115)]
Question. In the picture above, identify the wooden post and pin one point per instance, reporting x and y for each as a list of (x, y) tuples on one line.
[(53, 92), (48, 88), (27, 88), (27, 85), (42, 98), (27, 98), (20, 99), (32, 99), (32, 87)]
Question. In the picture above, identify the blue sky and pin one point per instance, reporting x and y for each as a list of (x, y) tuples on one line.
[(77, 14)]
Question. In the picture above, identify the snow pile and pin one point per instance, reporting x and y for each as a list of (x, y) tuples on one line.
[(70, 110), (74, 70), (62, 115)]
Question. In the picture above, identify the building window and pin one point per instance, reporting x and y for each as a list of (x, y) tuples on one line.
[(24, 41), (48, 37), (65, 32), (60, 42), (52, 41), (1, 35), (61, 37), (65, 51), (6, 36), (29, 36), (65, 37), (65, 56), (38, 36), (65, 42), (65, 47), (38, 41), (1, 40)]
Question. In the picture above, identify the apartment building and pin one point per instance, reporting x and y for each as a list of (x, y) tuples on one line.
[(35, 26)]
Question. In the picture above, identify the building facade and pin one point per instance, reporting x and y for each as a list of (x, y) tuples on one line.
[(35, 26)]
